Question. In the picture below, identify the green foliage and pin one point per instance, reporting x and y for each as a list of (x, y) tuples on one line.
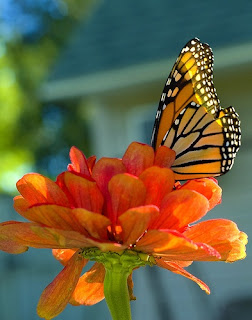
[(24, 64)]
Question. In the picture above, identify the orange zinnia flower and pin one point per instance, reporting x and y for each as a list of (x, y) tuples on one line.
[(129, 208)]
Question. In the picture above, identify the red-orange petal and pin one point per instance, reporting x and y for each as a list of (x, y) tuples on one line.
[(8, 242), (169, 243), (89, 289), (104, 170), (179, 208), (94, 223), (137, 158), (206, 186), (135, 222), (164, 157), (79, 162), (64, 255), (57, 294), (179, 270), (53, 216), (37, 189), (126, 191), (91, 162), (158, 182), (221, 234), (83, 192)]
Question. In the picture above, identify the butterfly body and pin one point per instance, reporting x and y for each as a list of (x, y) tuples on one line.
[(190, 120)]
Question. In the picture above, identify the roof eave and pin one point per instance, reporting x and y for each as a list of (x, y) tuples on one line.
[(107, 82)]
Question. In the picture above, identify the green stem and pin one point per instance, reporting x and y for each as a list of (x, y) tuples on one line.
[(116, 292), (118, 266)]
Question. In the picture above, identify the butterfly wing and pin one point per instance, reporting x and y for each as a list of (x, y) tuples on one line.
[(205, 146), (190, 120)]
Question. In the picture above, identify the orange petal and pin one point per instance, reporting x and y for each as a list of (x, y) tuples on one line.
[(169, 243), (53, 216), (135, 222), (223, 235), (37, 189), (79, 162), (20, 204), (206, 186), (83, 192), (16, 237), (179, 270), (179, 208), (126, 191), (158, 182), (36, 236), (95, 224), (138, 157), (238, 250), (63, 255), (164, 157), (89, 289), (104, 170), (8, 242), (183, 264), (58, 293)]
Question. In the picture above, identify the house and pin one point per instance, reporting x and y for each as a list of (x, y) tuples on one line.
[(115, 65)]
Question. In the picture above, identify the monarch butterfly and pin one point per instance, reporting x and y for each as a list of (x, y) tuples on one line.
[(190, 120)]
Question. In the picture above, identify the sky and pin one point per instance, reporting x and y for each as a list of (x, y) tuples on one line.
[(27, 18)]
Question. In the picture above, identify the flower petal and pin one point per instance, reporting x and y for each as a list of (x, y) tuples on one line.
[(183, 264), (58, 293), (53, 216), (94, 223), (126, 191), (179, 270), (164, 157), (33, 235), (91, 162), (238, 250), (179, 208), (158, 182), (20, 204), (206, 186), (135, 222), (37, 189), (8, 242), (83, 192), (169, 243), (89, 289), (138, 157), (63, 255), (104, 170), (223, 235), (79, 162)]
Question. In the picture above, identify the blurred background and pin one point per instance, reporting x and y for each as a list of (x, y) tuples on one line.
[(90, 74)]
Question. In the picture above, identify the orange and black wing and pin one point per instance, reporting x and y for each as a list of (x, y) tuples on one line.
[(190, 120)]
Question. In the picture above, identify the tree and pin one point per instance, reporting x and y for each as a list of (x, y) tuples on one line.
[(33, 136)]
